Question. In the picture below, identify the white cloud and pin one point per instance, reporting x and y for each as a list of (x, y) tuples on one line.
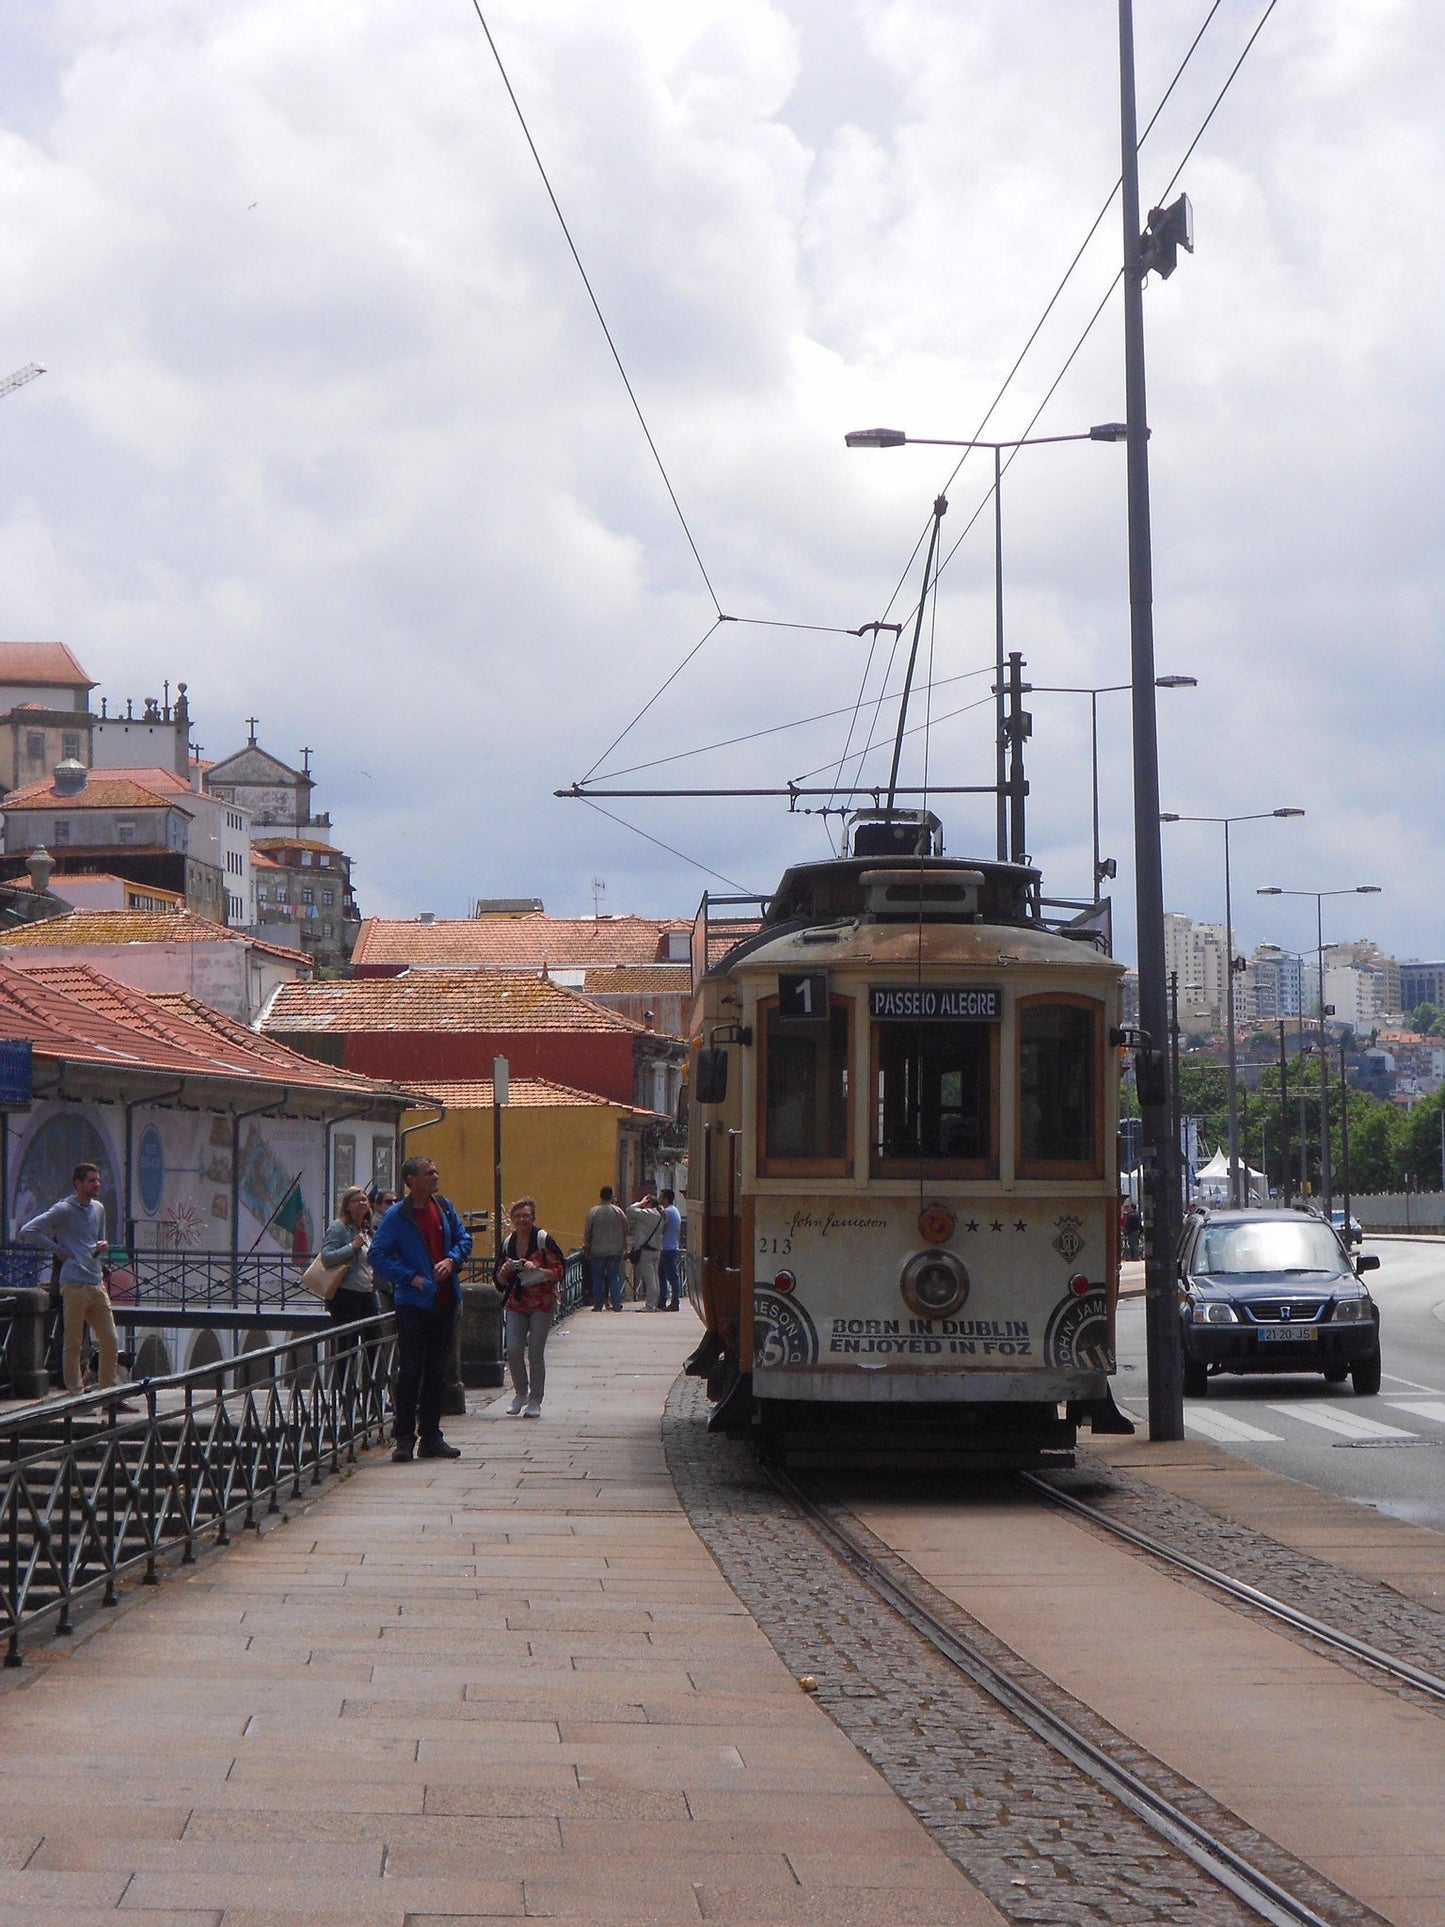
[(331, 431)]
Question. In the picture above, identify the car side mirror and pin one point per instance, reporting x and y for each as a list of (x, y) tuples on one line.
[(1367, 1261)]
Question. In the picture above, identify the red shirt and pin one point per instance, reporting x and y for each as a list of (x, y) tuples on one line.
[(430, 1224)]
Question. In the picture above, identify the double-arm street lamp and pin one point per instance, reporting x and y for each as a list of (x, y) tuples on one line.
[(1255, 816), (1355, 890), (1101, 867), (895, 438)]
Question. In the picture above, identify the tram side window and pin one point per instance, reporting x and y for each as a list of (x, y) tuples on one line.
[(805, 1109), (1058, 1085), (935, 1098)]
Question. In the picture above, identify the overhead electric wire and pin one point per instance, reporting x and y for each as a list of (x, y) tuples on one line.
[(776, 729), (694, 862), (596, 306), (1003, 388)]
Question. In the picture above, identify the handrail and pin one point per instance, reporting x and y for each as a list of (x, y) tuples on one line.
[(89, 1492)]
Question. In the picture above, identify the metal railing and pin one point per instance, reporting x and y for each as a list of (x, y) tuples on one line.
[(90, 1492), (193, 1281)]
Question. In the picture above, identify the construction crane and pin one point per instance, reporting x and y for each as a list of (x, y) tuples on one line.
[(20, 377)]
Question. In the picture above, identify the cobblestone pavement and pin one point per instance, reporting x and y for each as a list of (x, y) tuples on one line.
[(1043, 1843), (1373, 1610)]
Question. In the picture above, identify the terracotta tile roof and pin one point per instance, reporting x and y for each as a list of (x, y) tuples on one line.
[(438, 1000), (274, 842), (506, 942), (639, 980), (98, 929), (72, 1012), (41, 662), (105, 789), (529, 1093), (260, 861)]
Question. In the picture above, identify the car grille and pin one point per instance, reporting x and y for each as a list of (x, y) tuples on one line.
[(1284, 1311)]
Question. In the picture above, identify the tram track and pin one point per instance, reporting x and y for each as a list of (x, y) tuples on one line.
[(1401, 1672), (1265, 1897)]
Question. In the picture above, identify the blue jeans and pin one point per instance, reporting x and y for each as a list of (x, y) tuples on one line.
[(670, 1295), (607, 1282)]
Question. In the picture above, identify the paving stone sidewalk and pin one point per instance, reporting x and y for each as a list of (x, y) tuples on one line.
[(511, 1687)]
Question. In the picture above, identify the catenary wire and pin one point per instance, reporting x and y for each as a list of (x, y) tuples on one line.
[(693, 862), (596, 306), (777, 729)]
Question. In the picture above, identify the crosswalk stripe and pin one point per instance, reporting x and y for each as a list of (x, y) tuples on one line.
[(1225, 1430), (1351, 1424), (1432, 1408)]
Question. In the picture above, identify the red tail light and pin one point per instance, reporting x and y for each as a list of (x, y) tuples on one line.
[(784, 1281), (1079, 1285)]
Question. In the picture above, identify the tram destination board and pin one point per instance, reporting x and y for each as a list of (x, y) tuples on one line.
[(935, 1003)]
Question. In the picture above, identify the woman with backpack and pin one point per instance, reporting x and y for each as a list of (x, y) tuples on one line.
[(529, 1273)]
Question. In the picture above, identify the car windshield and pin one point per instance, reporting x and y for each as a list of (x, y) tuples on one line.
[(1271, 1245)]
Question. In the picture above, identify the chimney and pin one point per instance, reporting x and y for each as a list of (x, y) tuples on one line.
[(41, 864), (69, 777)]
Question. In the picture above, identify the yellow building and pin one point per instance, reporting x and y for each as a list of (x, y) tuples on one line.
[(559, 1146)]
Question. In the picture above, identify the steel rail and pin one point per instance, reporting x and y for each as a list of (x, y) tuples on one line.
[(1399, 1670), (1265, 1897)]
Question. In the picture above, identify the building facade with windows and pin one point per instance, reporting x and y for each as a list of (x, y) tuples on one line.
[(45, 714), (303, 896)]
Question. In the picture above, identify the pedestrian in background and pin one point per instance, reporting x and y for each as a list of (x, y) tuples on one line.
[(419, 1246), (349, 1238), (604, 1241), (669, 1262), (74, 1229), (644, 1228), (528, 1274)]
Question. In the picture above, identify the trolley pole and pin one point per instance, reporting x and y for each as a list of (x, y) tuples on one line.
[(1162, 1211)]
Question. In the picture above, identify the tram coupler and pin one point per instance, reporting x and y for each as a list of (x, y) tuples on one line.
[(702, 1361)]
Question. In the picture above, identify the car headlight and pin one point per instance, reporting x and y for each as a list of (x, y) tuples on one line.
[(1212, 1311), (1351, 1311)]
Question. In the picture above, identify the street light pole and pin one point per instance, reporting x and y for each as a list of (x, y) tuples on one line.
[(1355, 890), (1093, 694), (1254, 816), (897, 438)]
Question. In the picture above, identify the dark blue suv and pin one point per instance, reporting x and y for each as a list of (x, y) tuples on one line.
[(1274, 1291)]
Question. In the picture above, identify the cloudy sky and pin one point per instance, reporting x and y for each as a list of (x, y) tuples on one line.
[(332, 433)]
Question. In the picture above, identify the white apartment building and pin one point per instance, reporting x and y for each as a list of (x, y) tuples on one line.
[(1195, 953)]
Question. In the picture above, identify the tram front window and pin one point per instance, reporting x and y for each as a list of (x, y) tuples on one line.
[(805, 1117), (935, 1096), (1058, 1086)]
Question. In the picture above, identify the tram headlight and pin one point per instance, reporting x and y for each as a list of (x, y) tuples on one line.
[(934, 1284)]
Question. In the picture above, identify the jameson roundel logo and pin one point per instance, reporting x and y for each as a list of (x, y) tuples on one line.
[(783, 1333), (1078, 1334)]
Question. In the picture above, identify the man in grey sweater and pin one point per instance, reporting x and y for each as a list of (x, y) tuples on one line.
[(75, 1230)]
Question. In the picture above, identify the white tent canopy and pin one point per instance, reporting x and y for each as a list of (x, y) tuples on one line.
[(1212, 1179)]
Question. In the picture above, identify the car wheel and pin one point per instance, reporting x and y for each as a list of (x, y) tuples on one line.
[(1196, 1380), (1337, 1374), (1365, 1377)]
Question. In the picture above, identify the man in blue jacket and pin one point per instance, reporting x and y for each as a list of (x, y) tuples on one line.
[(418, 1250)]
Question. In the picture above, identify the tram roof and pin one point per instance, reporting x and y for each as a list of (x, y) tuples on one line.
[(903, 946), (833, 887)]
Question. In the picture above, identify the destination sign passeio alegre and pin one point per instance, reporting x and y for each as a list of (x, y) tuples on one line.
[(935, 1003)]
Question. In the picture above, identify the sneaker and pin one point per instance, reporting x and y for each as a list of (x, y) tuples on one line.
[(403, 1451), (438, 1448), (533, 1409), (517, 1406)]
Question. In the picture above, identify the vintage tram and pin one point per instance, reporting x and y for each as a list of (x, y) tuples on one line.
[(903, 1168)]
